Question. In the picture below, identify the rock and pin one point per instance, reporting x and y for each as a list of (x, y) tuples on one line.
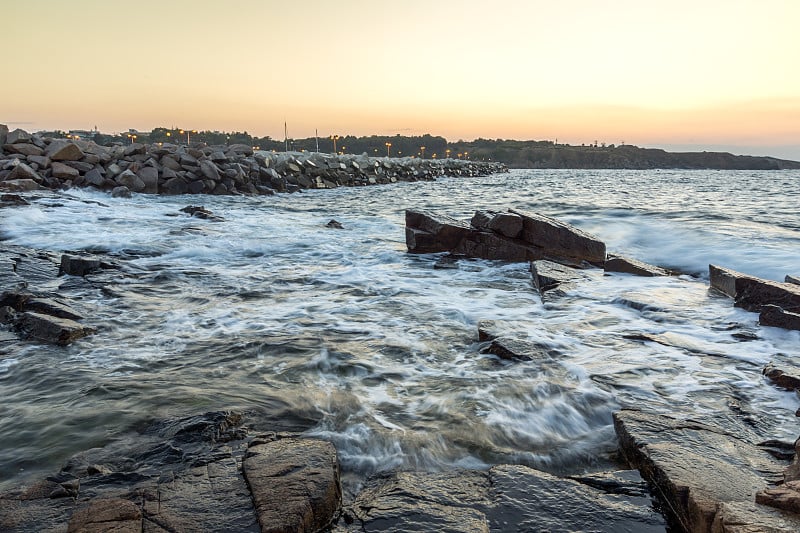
[(429, 233), (780, 378), (294, 483), (95, 178), (785, 496), (175, 185), (548, 275), (513, 349), (487, 330), (64, 151), (493, 246), (21, 185), (506, 498), (698, 469), (121, 192), (335, 224), (130, 180), (113, 515), (201, 212), (561, 240), (149, 177), (209, 170), (21, 171), (18, 136), (74, 265), (3, 134), (62, 171), (753, 293), (772, 315), (23, 149), (794, 280), (506, 224), (7, 200), (61, 331), (618, 263), (447, 262), (51, 307)]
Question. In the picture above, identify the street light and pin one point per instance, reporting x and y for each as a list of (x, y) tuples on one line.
[(388, 147), (132, 137), (188, 137), (422, 150), (334, 138), (447, 153)]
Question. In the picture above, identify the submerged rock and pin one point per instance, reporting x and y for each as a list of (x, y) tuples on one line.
[(781, 378), (706, 477), (199, 211)]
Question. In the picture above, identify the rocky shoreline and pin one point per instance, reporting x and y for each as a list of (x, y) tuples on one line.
[(31, 162), (239, 471)]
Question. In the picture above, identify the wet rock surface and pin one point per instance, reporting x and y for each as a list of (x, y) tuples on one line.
[(628, 265), (504, 498), (707, 478)]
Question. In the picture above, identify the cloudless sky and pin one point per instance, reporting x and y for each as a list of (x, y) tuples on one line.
[(700, 74)]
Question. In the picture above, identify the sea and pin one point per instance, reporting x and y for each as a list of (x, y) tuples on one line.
[(343, 335)]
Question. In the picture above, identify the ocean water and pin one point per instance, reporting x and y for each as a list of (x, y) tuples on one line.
[(345, 336)]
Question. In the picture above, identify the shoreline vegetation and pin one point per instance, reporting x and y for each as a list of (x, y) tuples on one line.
[(512, 153)]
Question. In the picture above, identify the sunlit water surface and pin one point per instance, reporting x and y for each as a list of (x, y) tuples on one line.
[(347, 335)]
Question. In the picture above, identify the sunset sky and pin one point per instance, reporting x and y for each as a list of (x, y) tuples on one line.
[(700, 74)]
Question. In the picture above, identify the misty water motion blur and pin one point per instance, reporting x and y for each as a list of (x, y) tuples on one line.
[(343, 334)]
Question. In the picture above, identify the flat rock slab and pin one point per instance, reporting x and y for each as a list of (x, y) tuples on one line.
[(697, 469), (430, 233), (514, 349), (113, 515), (294, 483), (505, 498), (627, 265), (772, 315), (752, 293), (548, 276), (781, 378), (61, 331)]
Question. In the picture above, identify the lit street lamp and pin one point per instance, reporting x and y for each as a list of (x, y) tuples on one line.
[(188, 137), (447, 153), (132, 137), (334, 138), (422, 151), (388, 147)]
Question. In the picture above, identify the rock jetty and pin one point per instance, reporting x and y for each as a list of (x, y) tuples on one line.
[(31, 162)]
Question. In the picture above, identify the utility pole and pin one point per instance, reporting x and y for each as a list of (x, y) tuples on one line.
[(286, 135)]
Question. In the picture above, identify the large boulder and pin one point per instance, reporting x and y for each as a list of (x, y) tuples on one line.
[(3, 134), (561, 240), (23, 148), (772, 315), (294, 484), (18, 136), (752, 293), (706, 477), (55, 330), (149, 177), (130, 180), (21, 171), (429, 233), (64, 151), (62, 171), (21, 185), (490, 245), (548, 275)]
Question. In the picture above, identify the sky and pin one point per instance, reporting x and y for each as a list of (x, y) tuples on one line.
[(684, 75)]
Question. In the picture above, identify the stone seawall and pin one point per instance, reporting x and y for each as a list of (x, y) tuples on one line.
[(30, 162)]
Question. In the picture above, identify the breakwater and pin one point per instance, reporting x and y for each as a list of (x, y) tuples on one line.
[(31, 162)]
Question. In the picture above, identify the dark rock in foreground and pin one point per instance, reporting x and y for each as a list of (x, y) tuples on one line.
[(548, 276), (511, 236), (506, 498), (772, 315), (708, 479), (781, 378)]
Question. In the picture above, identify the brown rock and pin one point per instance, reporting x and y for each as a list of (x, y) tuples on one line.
[(61, 331), (64, 151), (490, 245), (21, 171), (772, 315), (548, 275), (618, 263), (780, 378), (107, 515), (429, 233), (21, 185), (294, 484), (753, 293), (23, 149), (561, 240), (786, 496), (62, 171)]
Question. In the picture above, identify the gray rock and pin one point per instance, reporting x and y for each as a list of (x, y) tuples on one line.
[(627, 265), (3, 134), (514, 349), (130, 180), (75, 265), (149, 177), (23, 148), (21, 171), (121, 192), (429, 233), (42, 161), (209, 170), (94, 177), (772, 315), (62, 171), (548, 275), (61, 331), (294, 484), (64, 151), (18, 136), (494, 246), (48, 306), (20, 185), (114, 170), (698, 469), (175, 185), (792, 279)]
